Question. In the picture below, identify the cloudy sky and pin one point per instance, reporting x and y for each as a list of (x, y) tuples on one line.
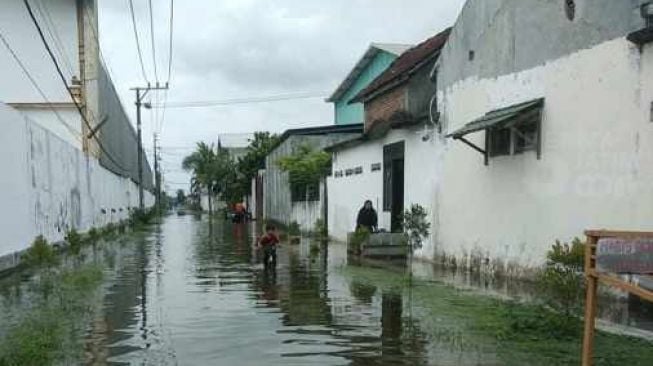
[(234, 49)]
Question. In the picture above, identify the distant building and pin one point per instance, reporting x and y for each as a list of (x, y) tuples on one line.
[(280, 203), (235, 143), (376, 59)]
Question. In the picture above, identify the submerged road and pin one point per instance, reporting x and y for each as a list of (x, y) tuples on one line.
[(194, 293), (190, 291)]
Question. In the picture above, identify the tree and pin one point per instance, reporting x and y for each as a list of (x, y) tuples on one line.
[(305, 168), (212, 170), (181, 197)]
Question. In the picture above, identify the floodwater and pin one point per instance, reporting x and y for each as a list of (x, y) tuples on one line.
[(194, 294), (190, 291)]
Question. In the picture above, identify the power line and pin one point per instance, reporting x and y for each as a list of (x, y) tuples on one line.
[(165, 93), (63, 79), (172, 17), (264, 99), (138, 42), (52, 30), (22, 66), (156, 74)]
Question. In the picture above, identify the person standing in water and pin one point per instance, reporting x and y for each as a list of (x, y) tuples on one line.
[(268, 243), (367, 218)]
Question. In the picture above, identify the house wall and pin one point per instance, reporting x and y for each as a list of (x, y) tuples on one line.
[(49, 186), (353, 113), (278, 205), (509, 36), (596, 165), (347, 193), (384, 106)]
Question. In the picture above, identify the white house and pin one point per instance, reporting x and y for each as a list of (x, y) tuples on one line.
[(542, 128), (577, 155), (388, 164)]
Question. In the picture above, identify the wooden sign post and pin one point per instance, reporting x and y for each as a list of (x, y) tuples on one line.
[(608, 254)]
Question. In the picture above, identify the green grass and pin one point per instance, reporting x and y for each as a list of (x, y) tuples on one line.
[(42, 334), (513, 333)]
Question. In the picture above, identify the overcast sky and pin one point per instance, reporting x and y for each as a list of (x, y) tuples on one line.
[(232, 49)]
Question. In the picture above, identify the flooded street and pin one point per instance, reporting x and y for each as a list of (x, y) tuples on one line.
[(189, 291), (194, 294)]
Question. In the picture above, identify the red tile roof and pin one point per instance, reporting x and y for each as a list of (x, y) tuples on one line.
[(405, 65)]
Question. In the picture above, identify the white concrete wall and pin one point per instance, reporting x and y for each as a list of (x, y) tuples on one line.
[(49, 186), (58, 19), (347, 194), (597, 158)]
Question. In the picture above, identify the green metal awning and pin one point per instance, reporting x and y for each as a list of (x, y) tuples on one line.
[(499, 118)]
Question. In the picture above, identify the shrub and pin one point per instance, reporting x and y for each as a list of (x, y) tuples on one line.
[(561, 281), (74, 241), (320, 229), (293, 229), (40, 253), (416, 226), (356, 241), (93, 235)]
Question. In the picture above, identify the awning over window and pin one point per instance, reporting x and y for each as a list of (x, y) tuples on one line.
[(499, 118)]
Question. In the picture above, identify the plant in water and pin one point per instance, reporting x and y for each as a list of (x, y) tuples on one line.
[(40, 253), (320, 230), (293, 229), (416, 226), (74, 241), (93, 235), (561, 280), (357, 239)]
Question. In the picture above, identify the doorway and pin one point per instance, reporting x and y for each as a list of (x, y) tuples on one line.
[(393, 184)]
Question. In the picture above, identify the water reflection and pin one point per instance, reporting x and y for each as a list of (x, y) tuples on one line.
[(194, 293)]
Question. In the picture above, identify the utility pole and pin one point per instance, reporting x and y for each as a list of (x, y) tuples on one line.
[(141, 92), (157, 174)]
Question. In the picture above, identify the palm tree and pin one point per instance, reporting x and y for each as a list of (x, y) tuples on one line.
[(213, 170), (202, 164)]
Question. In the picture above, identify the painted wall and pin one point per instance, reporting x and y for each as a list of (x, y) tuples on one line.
[(347, 193), (50, 186), (277, 204), (59, 21), (353, 113), (596, 165), (508, 36)]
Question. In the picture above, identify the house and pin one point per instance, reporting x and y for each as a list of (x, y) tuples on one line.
[(283, 204), (61, 171), (547, 128), (388, 163), (376, 59)]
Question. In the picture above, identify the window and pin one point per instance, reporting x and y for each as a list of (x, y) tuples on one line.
[(376, 167), (358, 170), (519, 138), (499, 142), (525, 136), (303, 193)]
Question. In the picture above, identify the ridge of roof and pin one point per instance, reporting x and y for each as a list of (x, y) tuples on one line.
[(406, 63), (372, 50)]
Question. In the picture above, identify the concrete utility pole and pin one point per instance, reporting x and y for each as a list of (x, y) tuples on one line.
[(141, 92), (157, 173)]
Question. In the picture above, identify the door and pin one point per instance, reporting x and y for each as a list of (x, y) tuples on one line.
[(397, 209), (393, 183)]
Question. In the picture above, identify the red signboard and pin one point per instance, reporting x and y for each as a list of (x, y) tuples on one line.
[(625, 255)]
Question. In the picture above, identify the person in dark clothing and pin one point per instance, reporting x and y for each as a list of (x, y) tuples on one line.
[(367, 218), (268, 243)]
